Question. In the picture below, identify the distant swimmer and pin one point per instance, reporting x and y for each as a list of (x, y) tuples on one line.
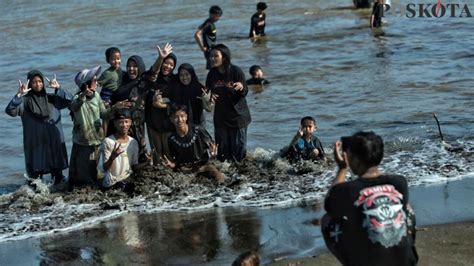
[(257, 22), (377, 14), (206, 35), (257, 76)]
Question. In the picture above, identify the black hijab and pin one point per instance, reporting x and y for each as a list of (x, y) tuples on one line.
[(125, 89), (188, 94), (162, 80), (37, 101)]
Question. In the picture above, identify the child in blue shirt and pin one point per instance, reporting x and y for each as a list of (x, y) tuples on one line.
[(305, 145)]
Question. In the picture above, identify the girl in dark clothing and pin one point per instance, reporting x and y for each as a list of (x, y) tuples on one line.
[(43, 138), (231, 114), (157, 103), (187, 90), (131, 95)]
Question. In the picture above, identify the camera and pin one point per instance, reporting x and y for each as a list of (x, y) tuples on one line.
[(346, 143)]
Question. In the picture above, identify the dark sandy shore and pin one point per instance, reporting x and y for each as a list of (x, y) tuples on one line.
[(282, 236)]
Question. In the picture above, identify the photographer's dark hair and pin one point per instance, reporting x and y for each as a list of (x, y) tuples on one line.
[(110, 51), (367, 147), (307, 118), (215, 10)]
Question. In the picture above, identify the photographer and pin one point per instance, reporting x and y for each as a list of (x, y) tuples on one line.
[(368, 220)]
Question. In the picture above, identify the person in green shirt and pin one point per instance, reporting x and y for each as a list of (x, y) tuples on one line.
[(111, 78), (87, 134)]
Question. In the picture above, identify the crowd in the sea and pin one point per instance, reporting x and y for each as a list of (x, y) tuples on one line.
[(114, 110)]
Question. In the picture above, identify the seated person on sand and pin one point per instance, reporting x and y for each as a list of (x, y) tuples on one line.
[(120, 154), (257, 76), (191, 147), (304, 145)]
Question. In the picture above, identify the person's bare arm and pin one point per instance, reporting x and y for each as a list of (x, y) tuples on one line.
[(198, 36), (342, 162)]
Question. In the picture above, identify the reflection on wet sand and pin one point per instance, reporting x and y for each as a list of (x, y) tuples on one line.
[(156, 239)]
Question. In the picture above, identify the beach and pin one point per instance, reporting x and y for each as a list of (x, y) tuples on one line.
[(282, 236), (321, 59), (446, 244)]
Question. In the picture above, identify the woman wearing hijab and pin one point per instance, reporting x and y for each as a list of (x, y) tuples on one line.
[(187, 90), (157, 101), (131, 95), (231, 114), (43, 138)]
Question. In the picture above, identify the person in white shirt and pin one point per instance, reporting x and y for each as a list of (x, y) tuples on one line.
[(120, 154)]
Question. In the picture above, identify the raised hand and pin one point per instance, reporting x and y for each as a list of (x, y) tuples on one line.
[(23, 88), (167, 50), (300, 132), (339, 156), (206, 95), (116, 151), (53, 83)]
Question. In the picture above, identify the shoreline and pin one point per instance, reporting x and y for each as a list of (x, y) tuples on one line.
[(282, 236)]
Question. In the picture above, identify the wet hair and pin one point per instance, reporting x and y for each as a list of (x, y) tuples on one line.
[(308, 118), (226, 59), (261, 6), (253, 69), (249, 258), (111, 51), (215, 10), (367, 147), (178, 107)]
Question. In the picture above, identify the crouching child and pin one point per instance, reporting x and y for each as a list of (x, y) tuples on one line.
[(304, 145)]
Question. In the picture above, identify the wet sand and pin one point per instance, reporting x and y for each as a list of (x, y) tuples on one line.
[(218, 235), (447, 244)]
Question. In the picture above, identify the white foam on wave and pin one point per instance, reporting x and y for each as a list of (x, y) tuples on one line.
[(421, 162)]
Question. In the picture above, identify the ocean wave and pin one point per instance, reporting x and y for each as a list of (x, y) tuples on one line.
[(263, 180)]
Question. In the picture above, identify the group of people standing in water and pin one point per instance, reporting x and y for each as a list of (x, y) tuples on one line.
[(111, 123), (372, 211)]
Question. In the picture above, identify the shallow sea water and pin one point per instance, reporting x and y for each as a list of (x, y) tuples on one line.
[(321, 59)]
